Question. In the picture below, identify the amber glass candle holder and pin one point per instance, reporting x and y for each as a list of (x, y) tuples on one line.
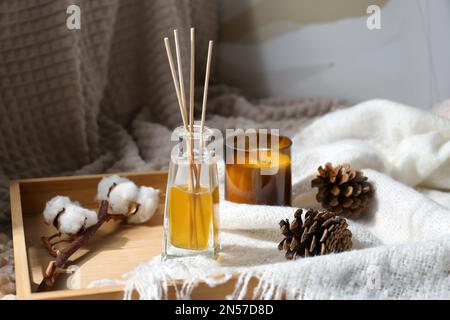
[(258, 169)]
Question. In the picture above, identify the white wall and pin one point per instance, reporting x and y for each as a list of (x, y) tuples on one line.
[(408, 60), (439, 19)]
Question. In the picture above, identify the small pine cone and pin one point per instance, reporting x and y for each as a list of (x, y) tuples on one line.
[(342, 190), (319, 233)]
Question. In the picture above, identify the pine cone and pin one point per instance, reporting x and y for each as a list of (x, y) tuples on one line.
[(320, 233), (342, 190)]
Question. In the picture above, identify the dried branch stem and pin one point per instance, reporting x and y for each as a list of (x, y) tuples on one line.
[(63, 255)]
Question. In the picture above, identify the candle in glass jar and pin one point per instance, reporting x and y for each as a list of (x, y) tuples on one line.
[(248, 182)]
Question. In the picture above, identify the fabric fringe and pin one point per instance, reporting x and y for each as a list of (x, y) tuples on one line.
[(152, 282)]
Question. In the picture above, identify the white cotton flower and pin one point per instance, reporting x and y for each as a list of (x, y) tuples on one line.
[(72, 217), (55, 206), (121, 197), (71, 221), (105, 185), (122, 194), (148, 200), (91, 218), (75, 219)]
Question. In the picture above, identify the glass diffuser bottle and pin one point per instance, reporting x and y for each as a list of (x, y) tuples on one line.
[(191, 217)]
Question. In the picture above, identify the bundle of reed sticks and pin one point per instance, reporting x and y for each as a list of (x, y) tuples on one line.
[(178, 81)]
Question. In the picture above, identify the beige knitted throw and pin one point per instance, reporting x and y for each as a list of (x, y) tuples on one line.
[(101, 99)]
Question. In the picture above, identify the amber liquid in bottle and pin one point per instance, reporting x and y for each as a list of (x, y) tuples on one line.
[(191, 216)]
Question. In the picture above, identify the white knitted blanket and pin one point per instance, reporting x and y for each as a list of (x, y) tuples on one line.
[(401, 247)]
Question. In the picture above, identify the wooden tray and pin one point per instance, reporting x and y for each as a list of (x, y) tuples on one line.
[(114, 250)]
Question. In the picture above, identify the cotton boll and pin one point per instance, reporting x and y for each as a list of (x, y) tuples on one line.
[(121, 197), (148, 200), (55, 206), (72, 220), (90, 217), (75, 219), (105, 185), (72, 217)]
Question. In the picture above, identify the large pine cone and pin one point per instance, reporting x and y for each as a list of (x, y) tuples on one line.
[(319, 233), (342, 190)]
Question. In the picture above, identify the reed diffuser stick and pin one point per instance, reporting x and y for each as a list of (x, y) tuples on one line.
[(191, 107), (205, 89), (178, 93), (205, 96), (192, 82), (183, 102), (202, 123), (193, 167), (175, 82), (180, 69)]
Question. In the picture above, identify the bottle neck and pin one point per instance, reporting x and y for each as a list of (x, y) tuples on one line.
[(192, 145)]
